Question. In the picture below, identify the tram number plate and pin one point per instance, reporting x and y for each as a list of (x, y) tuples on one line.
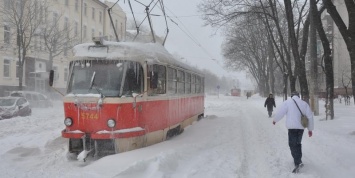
[(85, 115)]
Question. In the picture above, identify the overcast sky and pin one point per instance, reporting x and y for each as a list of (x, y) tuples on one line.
[(197, 44)]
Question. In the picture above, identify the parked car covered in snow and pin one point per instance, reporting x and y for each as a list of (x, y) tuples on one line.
[(14, 106), (34, 98)]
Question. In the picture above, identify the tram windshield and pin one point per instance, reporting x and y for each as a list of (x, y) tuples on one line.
[(112, 78)]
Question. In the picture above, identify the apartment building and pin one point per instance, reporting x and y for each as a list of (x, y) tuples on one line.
[(82, 20)]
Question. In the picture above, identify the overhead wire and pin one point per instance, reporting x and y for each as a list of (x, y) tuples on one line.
[(190, 35), (162, 7), (185, 30), (146, 6)]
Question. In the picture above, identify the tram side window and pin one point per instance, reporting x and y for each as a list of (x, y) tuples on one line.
[(187, 83), (181, 81), (134, 79), (193, 81), (198, 84), (172, 82), (157, 75)]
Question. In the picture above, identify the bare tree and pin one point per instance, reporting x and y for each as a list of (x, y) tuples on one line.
[(345, 80), (221, 13), (328, 63), (348, 32), (246, 48), (58, 40), (300, 68), (238, 13), (23, 16), (275, 24)]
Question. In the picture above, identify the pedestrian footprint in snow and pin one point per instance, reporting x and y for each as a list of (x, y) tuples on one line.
[(292, 108), (270, 103)]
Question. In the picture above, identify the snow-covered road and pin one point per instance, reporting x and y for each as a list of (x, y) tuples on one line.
[(237, 139)]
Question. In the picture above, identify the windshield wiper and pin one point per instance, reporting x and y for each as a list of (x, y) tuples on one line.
[(92, 85)]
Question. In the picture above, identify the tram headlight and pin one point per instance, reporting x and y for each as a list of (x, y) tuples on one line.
[(111, 123), (68, 121)]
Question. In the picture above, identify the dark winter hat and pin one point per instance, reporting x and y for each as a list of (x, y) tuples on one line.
[(295, 93)]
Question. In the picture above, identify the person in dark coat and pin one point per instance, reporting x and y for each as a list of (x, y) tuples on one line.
[(270, 103)]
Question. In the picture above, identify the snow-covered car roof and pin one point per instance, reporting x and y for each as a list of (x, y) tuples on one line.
[(3, 100)]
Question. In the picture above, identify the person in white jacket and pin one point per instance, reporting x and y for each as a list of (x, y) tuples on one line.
[(293, 124)]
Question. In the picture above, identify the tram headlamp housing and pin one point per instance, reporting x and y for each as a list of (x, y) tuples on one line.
[(111, 123), (68, 121)]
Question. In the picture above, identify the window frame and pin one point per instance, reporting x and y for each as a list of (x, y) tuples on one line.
[(161, 71), (7, 68), (7, 34), (171, 80), (180, 81), (93, 14)]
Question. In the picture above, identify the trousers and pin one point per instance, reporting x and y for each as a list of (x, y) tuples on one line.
[(294, 141)]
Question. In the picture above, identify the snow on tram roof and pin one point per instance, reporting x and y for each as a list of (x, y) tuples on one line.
[(121, 49), (150, 52)]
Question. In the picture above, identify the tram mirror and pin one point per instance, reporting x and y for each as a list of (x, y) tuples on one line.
[(154, 80), (51, 77)]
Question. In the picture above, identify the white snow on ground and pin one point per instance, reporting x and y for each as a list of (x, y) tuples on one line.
[(236, 140)]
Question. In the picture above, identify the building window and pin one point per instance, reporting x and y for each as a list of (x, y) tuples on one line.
[(92, 32), (77, 5), (66, 74), (41, 46), (56, 74), (66, 23), (76, 28), (66, 2), (35, 41), (100, 17), (55, 17), (85, 9), (46, 15), (7, 34), (93, 13), (65, 50), (84, 31), (116, 23), (7, 4), (121, 32), (41, 12), (17, 69), (36, 10), (7, 64), (100, 34)]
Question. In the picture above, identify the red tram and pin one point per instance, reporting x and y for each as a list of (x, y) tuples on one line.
[(235, 92), (123, 96)]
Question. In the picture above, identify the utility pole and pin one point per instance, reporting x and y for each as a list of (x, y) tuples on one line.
[(81, 21), (313, 59)]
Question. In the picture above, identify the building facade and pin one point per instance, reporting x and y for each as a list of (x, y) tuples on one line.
[(82, 20)]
